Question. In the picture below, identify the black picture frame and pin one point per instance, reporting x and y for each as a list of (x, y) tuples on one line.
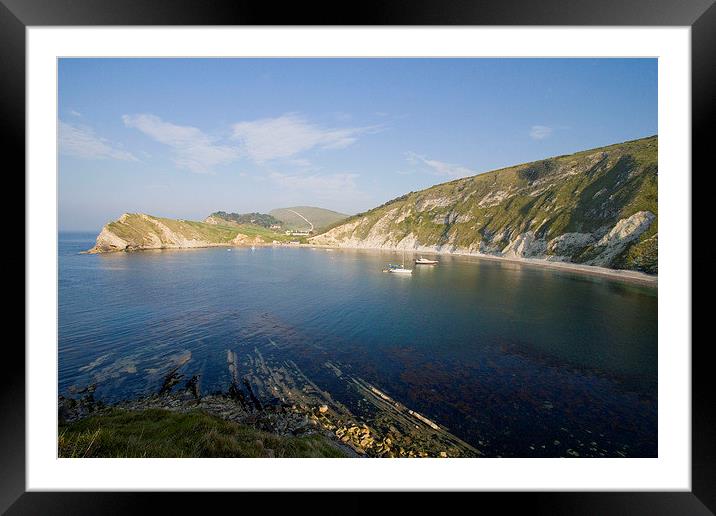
[(700, 15)]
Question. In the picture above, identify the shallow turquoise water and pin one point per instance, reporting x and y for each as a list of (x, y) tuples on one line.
[(515, 356)]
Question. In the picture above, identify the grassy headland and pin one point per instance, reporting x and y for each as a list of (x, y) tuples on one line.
[(134, 231)]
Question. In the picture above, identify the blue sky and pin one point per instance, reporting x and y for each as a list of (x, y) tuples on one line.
[(185, 137)]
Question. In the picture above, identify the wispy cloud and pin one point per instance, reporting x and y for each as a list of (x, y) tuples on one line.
[(540, 132), (261, 141), (82, 142), (75, 113), (193, 149), (288, 135), (441, 168)]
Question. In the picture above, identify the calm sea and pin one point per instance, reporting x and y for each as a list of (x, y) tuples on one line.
[(530, 360)]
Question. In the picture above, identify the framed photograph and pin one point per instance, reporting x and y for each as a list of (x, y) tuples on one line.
[(434, 247)]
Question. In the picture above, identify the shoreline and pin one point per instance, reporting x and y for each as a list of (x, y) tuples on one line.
[(591, 270)]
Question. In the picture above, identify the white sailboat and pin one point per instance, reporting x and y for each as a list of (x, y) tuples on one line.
[(401, 269)]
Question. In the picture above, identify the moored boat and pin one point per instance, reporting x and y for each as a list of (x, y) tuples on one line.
[(425, 261), (398, 269)]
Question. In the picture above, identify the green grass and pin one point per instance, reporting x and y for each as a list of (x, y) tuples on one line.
[(642, 256), (161, 433), (133, 229), (202, 231)]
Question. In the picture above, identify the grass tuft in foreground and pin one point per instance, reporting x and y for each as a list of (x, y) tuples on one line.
[(161, 433)]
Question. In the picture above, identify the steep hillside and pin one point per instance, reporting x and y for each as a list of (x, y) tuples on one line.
[(133, 231), (596, 207), (301, 217)]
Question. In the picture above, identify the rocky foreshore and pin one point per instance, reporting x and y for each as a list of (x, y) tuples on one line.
[(299, 408), (356, 439), (281, 421)]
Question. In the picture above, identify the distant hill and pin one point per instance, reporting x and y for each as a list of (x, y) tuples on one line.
[(595, 207), (302, 217)]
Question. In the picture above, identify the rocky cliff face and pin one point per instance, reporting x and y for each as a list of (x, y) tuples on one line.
[(596, 207), (134, 231)]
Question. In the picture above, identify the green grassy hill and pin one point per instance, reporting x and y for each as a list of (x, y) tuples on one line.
[(597, 207), (319, 217)]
